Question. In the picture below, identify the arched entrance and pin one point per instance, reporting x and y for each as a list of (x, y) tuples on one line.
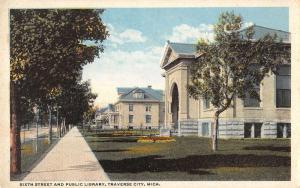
[(175, 105)]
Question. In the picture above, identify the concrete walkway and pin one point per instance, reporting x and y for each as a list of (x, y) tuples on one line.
[(30, 134), (71, 159)]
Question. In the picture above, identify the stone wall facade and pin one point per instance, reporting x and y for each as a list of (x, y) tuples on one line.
[(263, 121), (233, 129)]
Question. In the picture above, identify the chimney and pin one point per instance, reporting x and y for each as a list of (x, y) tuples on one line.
[(149, 86)]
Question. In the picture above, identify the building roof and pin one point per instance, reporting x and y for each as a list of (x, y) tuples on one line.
[(260, 31), (127, 94), (108, 108), (185, 50)]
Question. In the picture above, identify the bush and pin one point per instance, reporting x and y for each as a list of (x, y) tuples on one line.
[(161, 139)]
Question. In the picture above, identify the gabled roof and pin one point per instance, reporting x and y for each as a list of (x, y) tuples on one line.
[(260, 31), (122, 90), (177, 50), (183, 48), (108, 108), (174, 51), (127, 94), (101, 110)]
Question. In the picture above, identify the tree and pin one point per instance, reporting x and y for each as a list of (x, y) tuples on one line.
[(47, 51), (231, 66), (76, 101), (50, 102), (90, 114), (26, 110)]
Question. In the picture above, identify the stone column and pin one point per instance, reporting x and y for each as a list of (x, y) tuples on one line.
[(167, 93), (179, 129), (284, 131), (109, 120), (252, 131), (199, 128), (183, 95)]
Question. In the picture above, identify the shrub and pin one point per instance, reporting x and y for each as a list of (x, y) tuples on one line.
[(156, 139)]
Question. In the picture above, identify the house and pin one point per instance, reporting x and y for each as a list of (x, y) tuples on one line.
[(247, 118), (140, 108), (107, 118)]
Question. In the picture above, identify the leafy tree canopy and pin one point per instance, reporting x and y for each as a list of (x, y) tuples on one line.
[(232, 66), (47, 54), (47, 50), (75, 101)]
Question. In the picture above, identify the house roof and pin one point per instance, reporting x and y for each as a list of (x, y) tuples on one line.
[(109, 108), (185, 50), (101, 110), (127, 94)]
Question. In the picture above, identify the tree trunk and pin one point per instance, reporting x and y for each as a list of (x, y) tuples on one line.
[(24, 134), (57, 123), (49, 126), (37, 130), (215, 132), (15, 141), (59, 129), (64, 126)]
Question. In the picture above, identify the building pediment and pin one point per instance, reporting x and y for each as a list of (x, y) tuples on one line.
[(174, 51)]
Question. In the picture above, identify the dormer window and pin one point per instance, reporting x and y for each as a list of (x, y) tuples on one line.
[(139, 95)]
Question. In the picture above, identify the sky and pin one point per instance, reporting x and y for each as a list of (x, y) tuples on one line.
[(133, 51)]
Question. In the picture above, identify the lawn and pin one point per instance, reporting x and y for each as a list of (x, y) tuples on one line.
[(190, 158), (29, 156)]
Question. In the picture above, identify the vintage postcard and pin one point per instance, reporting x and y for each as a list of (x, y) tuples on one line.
[(150, 94)]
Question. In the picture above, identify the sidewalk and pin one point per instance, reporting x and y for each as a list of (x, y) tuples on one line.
[(71, 159), (31, 134)]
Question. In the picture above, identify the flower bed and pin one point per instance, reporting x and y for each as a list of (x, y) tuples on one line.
[(156, 139), (122, 133)]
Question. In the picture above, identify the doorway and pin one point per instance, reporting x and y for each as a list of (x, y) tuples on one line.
[(175, 105)]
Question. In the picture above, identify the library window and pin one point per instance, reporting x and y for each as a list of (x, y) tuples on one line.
[(283, 87), (250, 101)]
